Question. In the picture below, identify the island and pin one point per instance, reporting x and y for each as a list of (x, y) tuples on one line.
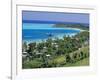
[(67, 51), (82, 26)]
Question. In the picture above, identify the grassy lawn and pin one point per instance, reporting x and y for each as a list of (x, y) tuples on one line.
[(83, 62), (60, 59)]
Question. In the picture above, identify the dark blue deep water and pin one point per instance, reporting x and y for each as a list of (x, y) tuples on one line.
[(34, 34)]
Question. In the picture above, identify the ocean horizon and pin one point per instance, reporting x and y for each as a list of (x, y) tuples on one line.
[(38, 32)]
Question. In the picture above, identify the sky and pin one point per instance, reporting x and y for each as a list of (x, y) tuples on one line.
[(36, 16), (46, 18)]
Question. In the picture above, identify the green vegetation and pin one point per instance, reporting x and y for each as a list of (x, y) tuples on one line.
[(68, 51), (69, 25), (83, 62)]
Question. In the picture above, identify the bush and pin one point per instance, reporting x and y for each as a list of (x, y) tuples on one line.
[(32, 64), (57, 62)]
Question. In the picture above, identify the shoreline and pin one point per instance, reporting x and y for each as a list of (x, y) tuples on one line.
[(60, 36), (60, 28), (75, 29), (53, 38)]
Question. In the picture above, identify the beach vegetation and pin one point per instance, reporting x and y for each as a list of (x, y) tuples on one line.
[(68, 51)]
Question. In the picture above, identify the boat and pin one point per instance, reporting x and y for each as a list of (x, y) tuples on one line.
[(50, 34)]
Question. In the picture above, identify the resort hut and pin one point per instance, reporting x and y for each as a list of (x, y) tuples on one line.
[(55, 45), (44, 47), (48, 55), (39, 54), (79, 49), (24, 54)]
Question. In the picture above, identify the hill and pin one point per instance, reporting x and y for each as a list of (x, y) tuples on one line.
[(72, 25)]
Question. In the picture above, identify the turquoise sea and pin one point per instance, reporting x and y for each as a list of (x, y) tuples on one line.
[(38, 32)]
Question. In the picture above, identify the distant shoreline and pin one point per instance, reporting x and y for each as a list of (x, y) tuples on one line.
[(72, 26), (41, 40)]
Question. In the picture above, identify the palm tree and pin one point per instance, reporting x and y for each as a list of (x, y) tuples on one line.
[(24, 46)]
